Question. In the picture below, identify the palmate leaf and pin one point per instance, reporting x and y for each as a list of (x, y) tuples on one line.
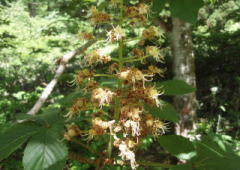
[(216, 154), (45, 150), (175, 87), (211, 153), (15, 136), (178, 146), (165, 112), (49, 117), (32, 118)]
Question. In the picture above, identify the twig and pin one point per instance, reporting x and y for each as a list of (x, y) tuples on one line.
[(48, 90)]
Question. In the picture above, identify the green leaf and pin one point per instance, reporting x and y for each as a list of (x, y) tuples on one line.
[(109, 82), (186, 10), (14, 137), (58, 166), (49, 117), (182, 167), (45, 150), (166, 112), (69, 99), (157, 6), (216, 154), (27, 117), (178, 146), (175, 87)]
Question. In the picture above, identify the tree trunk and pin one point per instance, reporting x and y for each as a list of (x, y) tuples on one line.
[(32, 8), (184, 69)]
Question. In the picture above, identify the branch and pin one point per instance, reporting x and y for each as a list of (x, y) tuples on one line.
[(48, 90)]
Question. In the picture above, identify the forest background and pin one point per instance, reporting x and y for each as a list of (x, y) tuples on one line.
[(36, 34)]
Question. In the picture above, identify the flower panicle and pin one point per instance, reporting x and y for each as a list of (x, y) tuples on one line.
[(118, 108)]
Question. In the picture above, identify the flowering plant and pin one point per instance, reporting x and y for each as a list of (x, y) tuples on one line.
[(119, 111)]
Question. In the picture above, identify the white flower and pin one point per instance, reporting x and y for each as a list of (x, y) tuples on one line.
[(127, 154), (103, 96), (155, 53), (135, 126), (116, 34)]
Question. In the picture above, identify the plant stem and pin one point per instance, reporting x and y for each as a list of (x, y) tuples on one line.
[(129, 60), (120, 63), (103, 75)]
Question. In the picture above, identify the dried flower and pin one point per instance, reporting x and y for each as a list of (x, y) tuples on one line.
[(113, 68), (116, 34), (143, 8), (87, 36), (72, 131), (158, 128), (141, 42), (90, 85), (155, 70), (151, 33), (79, 105), (83, 74), (153, 94), (155, 53), (102, 96), (98, 56), (98, 17), (138, 52), (133, 126), (91, 134), (133, 75), (132, 11), (131, 112), (137, 13), (127, 154)]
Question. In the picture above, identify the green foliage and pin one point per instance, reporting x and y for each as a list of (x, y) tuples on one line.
[(178, 146), (29, 48), (216, 45), (166, 112), (212, 152), (14, 137), (182, 167), (175, 87), (186, 10), (45, 150), (216, 153)]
